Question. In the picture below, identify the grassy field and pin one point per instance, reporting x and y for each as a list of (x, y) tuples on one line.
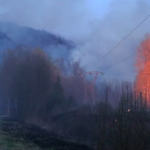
[(17, 136), (8, 142)]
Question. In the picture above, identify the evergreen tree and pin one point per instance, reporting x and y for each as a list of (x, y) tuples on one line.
[(58, 93), (57, 101)]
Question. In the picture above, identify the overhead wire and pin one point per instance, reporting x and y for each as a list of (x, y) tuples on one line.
[(120, 41), (120, 61), (122, 68), (123, 60)]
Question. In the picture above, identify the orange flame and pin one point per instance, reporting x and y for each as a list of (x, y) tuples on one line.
[(142, 83)]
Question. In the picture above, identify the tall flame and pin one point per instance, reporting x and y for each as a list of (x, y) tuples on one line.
[(142, 83)]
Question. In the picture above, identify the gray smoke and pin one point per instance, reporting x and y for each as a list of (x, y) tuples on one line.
[(105, 33), (94, 36)]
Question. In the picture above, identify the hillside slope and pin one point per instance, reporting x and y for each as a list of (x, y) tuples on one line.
[(12, 34)]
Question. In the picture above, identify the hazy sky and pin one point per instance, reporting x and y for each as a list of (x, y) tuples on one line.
[(62, 17), (94, 25)]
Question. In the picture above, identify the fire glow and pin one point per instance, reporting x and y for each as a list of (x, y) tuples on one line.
[(142, 83)]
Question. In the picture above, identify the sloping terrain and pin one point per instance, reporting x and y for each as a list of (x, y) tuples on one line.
[(32, 37), (5, 41), (37, 136), (12, 35)]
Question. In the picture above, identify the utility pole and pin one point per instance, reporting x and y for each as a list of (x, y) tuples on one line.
[(91, 87)]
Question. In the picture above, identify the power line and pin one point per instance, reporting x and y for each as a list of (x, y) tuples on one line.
[(123, 59), (120, 61), (122, 68), (121, 40)]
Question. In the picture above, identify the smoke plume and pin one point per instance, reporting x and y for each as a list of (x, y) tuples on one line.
[(94, 34)]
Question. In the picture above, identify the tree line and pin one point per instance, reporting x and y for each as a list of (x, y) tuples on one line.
[(37, 89)]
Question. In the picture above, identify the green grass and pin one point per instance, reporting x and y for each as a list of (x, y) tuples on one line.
[(18, 136), (8, 142)]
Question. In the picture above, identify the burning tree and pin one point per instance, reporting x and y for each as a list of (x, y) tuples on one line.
[(142, 83)]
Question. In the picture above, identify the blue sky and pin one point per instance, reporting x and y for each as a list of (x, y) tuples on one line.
[(2, 9), (99, 7)]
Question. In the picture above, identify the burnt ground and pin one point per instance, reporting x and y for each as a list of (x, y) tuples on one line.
[(37, 136)]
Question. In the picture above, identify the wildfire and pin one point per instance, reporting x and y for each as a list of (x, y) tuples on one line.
[(142, 83)]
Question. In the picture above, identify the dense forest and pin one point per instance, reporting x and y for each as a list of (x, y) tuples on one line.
[(41, 90), (34, 90)]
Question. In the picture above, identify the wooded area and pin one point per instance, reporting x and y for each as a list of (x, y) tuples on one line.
[(34, 89)]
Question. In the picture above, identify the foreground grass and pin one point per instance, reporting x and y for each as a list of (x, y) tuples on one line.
[(15, 135), (7, 142)]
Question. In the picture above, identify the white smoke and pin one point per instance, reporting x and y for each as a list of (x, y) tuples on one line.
[(93, 35)]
